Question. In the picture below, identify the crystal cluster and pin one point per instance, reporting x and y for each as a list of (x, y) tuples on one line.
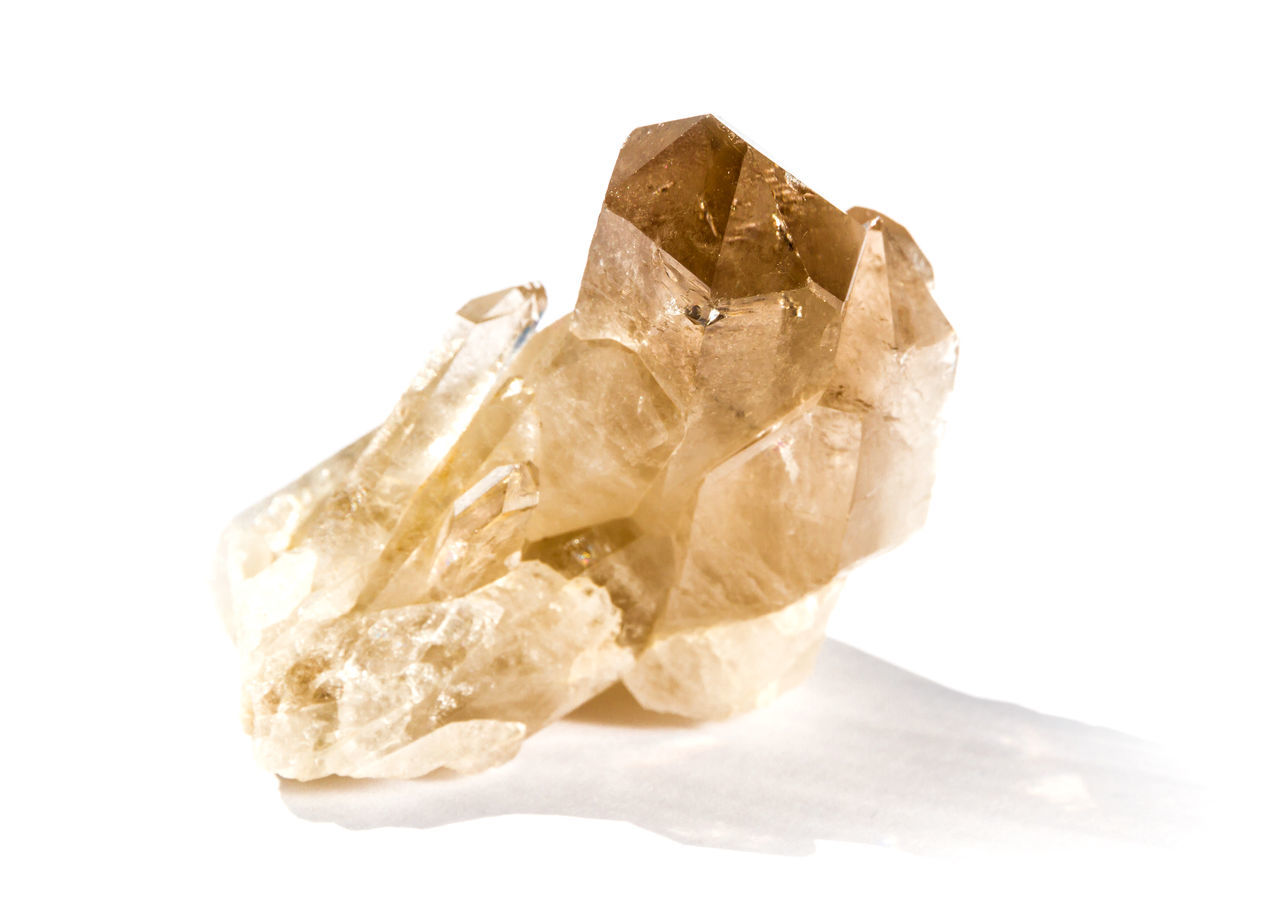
[(663, 488)]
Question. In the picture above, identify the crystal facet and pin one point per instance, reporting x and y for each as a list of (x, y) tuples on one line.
[(665, 488)]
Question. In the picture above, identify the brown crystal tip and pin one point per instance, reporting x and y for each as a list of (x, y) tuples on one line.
[(729, 215), (666, 487)]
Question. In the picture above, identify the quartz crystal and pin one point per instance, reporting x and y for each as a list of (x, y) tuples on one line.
[(665, 488)]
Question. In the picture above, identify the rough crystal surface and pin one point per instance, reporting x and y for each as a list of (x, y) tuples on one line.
[(664, 488)]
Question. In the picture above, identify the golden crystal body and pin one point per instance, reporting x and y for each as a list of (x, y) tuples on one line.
[(664, 488)]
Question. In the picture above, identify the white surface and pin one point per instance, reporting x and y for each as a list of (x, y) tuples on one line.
[(227, 233), (864, 752)]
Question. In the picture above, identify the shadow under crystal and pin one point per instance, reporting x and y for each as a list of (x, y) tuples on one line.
[(862, 752)]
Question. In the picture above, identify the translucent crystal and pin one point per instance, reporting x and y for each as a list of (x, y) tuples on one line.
[(664, 488)]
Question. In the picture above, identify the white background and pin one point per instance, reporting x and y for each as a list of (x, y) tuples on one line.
[(229, 232)]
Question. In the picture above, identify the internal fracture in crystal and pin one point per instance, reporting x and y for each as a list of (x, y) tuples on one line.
[(666, 487)]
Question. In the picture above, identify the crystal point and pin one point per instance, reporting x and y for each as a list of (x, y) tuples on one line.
[(666, 488)]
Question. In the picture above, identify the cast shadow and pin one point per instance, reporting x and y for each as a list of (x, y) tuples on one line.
[(863, 752)]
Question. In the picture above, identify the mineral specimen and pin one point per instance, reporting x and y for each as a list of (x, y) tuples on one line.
[(665, 487)]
